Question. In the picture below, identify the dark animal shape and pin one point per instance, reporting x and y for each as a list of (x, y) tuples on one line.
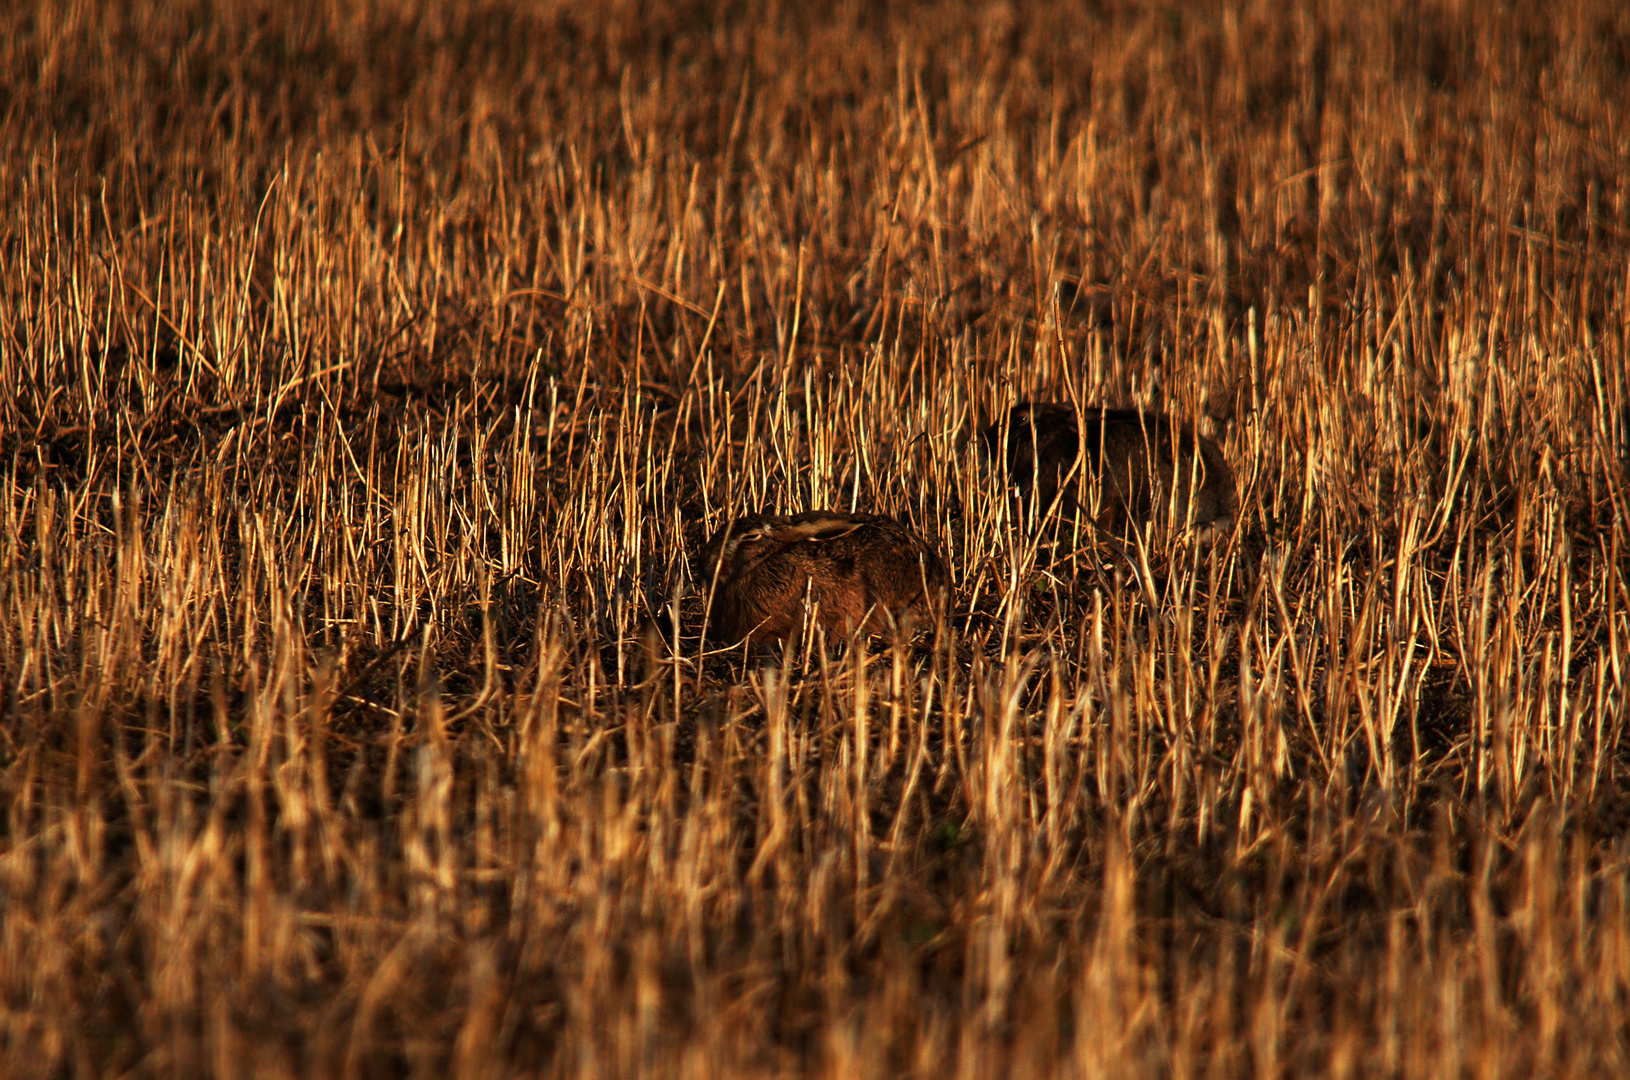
[(855, 571), (1140, 465)]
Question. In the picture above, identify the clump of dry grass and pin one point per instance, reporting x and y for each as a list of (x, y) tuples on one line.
[(367, 378)]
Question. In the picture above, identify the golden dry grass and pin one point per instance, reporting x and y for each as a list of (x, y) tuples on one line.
[(367, 372)]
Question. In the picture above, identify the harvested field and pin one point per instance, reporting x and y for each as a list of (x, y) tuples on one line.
[(371, 374)]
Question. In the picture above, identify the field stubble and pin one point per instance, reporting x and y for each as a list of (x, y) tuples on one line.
[(368, 377)]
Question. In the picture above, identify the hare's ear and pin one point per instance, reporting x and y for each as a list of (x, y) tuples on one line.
[(815, 528)]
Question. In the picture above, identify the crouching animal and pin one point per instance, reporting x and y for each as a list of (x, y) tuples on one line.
[(1134, 465), (852, 572)]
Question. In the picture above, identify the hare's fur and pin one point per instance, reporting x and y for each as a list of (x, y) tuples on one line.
[(852, 571), (1135, 465)]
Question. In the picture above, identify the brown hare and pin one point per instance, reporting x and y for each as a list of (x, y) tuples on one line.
[(1141, 465), (855, 571)]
